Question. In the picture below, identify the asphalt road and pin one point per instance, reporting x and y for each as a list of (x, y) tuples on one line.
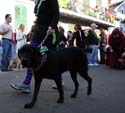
[(108, 94)]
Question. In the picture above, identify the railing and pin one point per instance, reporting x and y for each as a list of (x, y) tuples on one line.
[(103, 13)]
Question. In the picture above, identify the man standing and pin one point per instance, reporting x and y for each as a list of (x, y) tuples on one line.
[(103, 42), (79, 35), (92, 42), (47, 13), (7, 35)]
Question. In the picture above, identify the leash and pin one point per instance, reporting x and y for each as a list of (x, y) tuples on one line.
[(46, 36)]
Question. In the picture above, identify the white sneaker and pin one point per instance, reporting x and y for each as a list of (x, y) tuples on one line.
[(21, 86), (91, 64), (96, 64)]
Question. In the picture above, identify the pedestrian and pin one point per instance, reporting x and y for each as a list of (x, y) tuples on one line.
[(47, 13), (117, 47), (7, 35), (103, 43), (92, 42), (29, 35), (79, 36), (0, 52), (62, 38), (70, 38), (20, 37)]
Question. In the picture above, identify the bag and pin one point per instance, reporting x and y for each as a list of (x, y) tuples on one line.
[(88, 49)]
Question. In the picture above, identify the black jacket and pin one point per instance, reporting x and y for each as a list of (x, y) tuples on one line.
[(92, 38), (80, 40), (47, 12)]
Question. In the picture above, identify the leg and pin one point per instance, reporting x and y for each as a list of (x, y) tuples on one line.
[(60, 89), (38, 81), (74, 78), (29, 71), (28, 76), (95, 54), (5, 46), (25, 85), (90, 55), (9, 54), (89, 80), (54, 86)]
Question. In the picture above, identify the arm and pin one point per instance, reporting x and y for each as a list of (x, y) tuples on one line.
[(4, 32), (55, 11)]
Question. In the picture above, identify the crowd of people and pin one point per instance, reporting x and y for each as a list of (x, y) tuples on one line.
[(89, 40), (46, 23)]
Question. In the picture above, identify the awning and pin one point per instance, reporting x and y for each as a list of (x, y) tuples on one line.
[(69, 16)]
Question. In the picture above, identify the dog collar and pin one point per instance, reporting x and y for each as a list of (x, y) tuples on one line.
[(43, 62), (44, 58)]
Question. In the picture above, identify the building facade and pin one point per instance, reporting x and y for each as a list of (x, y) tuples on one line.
[(72, 11), (21, 11)]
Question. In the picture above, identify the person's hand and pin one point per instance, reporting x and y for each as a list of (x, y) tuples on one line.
[(7, 30), (49, 31)]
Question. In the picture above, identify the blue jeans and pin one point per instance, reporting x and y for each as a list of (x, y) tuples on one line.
[(92, 57), (6, 53), (14, 54), (0, 55)]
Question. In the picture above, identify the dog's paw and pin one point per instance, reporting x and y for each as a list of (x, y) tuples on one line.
[(60, 101), (73, 95), (28, 105)]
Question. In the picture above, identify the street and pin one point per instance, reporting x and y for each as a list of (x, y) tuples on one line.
[(108, 95)]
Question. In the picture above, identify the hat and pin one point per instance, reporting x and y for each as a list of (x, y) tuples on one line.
[(94, 25)]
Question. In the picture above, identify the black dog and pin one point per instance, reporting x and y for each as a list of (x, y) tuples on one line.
[(71, 59)]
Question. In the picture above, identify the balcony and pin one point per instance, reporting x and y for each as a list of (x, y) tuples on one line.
[(85, 15)]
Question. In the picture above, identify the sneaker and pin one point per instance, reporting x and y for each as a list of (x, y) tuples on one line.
[(91, 64), (21, 86), (96, 64)]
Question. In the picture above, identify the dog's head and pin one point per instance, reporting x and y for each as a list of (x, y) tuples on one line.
[(29, 56)]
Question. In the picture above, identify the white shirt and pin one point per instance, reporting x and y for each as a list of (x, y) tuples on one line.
[(21, 40), (9, 34)]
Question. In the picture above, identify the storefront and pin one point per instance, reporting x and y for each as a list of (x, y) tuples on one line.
[(21, 11)]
